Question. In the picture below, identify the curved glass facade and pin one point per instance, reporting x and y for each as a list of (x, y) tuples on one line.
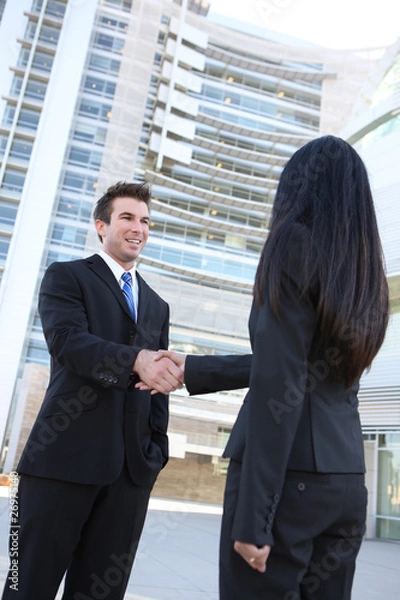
[(376, 136), (221, 124)]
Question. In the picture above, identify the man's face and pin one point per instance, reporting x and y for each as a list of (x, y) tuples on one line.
[(126, 234)]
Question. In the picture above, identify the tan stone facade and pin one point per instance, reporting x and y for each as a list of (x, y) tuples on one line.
[(33, 387), (192, 478)]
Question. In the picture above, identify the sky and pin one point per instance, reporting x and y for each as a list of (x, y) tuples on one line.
[(336, 24)]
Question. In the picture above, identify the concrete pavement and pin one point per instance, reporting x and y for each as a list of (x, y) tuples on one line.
[(178, 556)]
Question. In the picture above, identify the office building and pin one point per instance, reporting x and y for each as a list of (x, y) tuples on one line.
[(375, 133), (208, 111)]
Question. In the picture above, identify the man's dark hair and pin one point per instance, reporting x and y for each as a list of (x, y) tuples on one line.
[(103, 209)]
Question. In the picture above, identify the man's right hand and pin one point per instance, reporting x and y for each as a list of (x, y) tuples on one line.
[(158, 373)]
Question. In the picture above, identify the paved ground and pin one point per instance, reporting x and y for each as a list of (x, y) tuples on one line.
[(177, 557)]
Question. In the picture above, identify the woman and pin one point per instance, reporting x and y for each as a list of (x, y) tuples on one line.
[(295, 500)]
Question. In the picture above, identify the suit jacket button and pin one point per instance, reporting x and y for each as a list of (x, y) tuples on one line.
[(276, 498), (270, 518), (301, 486)]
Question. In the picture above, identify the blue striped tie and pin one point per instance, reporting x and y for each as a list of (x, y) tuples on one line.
[(127, 291)]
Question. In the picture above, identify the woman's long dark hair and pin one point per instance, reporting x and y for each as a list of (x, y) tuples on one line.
[(324, 188)]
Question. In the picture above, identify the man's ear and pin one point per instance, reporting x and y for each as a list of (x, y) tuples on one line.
[(100, 227)]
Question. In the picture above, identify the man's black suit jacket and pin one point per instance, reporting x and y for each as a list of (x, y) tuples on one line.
[(295, 416), (92, 418)]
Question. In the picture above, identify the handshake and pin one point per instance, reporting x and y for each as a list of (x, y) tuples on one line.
[(162, 371)]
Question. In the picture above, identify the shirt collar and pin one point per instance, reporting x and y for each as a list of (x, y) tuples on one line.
[(115, 267)]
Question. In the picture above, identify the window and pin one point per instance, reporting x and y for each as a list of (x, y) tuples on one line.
[(9, 114), (16, 86), (253, 246), (221, 464), (8, 212), (95, 110), (109, 42), (125, 5), (4, 245), (23, 57), (3, 144), (58, 256), (21, 149), (153, 84), (38, 353), (111, 22), (37, 5), (89, 132), (49, 35), (42, 62), (77, 209), (55, 8), (104, 64), (79, 181), (35, 89), (30, 30), (388, 500), (82, 156), (99, 86), (28, 118), (37, 324), (70, 236), (13, 180)]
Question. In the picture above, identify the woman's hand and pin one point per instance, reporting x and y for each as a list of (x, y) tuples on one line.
[(178, 361), (254, 556)]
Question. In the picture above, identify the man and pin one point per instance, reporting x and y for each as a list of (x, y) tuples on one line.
[(98, 443)]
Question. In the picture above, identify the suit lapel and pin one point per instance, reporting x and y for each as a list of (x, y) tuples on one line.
[(144, 298), (147, 332), (97, 264)]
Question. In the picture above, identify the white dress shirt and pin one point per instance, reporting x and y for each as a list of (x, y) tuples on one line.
[(118, 272)]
